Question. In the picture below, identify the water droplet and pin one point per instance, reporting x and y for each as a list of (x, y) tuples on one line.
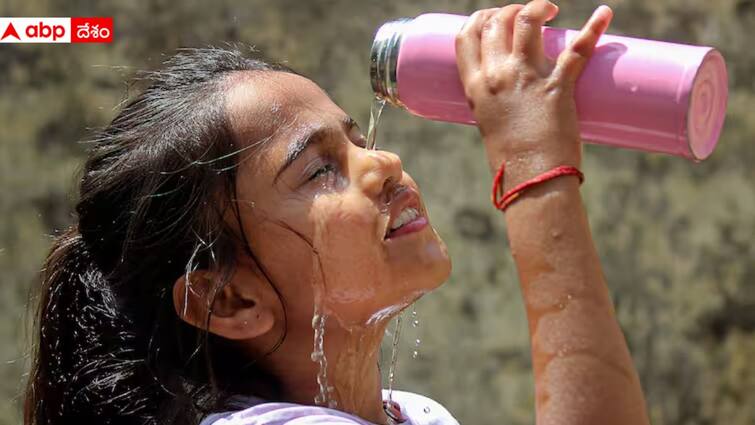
[(561, 306), (426, 409), (417, 341), (415, 354)]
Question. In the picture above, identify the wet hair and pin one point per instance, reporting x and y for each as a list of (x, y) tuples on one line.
[(155, 188)]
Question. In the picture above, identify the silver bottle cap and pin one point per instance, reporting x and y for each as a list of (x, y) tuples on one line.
[(384, 59)]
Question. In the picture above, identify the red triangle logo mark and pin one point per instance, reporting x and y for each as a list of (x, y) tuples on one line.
[(10, 32)]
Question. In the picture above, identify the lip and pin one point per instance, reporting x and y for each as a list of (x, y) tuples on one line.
[(413, 226), (406, 198)]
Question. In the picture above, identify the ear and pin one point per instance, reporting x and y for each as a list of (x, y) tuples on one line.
[(241, 309)]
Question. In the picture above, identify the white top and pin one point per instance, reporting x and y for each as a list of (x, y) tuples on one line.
[(415, 408)]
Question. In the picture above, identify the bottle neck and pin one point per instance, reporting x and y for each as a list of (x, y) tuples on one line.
[(384, 60)]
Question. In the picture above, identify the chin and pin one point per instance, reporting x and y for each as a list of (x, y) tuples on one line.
[(415, 266), (428, 271), (438, 263), (437, 274), (413, 284)]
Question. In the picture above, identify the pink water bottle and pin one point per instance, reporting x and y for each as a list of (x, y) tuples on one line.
[(634, 93)]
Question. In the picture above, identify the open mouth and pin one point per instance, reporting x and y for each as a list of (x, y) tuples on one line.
[(406, 215)]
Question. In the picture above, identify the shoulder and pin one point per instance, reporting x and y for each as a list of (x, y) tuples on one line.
[(416, 408), (421, 410), (275, 413)]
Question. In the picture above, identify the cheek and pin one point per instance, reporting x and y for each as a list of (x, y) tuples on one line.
[(345, 226), (352, 263), (287, 259)]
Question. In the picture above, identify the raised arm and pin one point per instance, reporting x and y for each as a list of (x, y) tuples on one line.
[(525, 111)]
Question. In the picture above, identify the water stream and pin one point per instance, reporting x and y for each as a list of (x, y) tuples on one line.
[(375, 111), (394, 356), (318, 355)]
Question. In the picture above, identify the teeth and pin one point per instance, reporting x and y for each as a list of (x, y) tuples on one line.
[(406, 216)]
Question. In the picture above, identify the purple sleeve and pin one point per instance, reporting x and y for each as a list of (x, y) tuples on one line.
[(285, 414)]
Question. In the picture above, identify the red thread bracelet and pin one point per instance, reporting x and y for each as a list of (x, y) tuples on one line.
[(513, 194)]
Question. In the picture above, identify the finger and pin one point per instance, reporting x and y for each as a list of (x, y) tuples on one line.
[(528, 36), (468, 42), (573, 59), (496, 34)]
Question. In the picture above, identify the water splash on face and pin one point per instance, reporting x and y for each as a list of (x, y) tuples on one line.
[(339, 291), (319, 319), (375, 111)]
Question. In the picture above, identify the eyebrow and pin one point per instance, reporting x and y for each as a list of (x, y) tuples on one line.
[(313, 136)]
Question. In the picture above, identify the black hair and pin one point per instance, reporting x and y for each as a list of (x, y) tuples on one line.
[(154, 191)]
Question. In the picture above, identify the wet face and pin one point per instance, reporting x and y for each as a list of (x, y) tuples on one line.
[(328, 219)]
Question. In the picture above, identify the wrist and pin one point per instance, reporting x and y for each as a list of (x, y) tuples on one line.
[(503, 200), (520, 168), (563, 186), (526, 159)]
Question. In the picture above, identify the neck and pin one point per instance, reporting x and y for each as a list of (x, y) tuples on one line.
[(355, 375), (352, 369)]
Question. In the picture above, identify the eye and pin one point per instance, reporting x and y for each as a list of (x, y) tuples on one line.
[(357, 137), (324, 170)]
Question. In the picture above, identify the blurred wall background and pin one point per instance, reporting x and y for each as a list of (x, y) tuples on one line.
[(676, 238)]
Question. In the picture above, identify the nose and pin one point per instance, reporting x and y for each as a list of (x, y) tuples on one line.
[(380, 172)]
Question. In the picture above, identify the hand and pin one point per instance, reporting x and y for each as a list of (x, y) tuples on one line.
[(524, 103)]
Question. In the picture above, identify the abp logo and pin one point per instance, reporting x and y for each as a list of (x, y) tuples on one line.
[(56, 30)]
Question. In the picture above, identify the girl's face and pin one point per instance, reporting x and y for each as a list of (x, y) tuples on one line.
[(328, 219)]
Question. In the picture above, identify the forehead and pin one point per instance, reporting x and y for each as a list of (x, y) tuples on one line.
[(270, 106)]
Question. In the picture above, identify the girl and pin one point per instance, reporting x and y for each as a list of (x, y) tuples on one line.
[(232, 207)]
